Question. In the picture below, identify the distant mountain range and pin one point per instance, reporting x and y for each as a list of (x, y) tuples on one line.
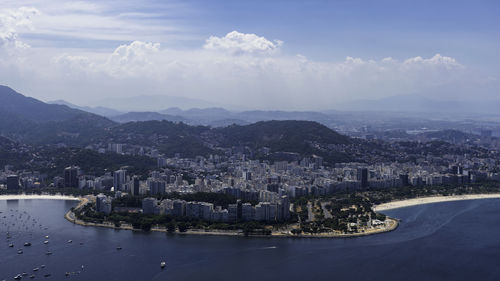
[(156, 103), (148, 116), (415, 103), (27, 120), (99, 110)]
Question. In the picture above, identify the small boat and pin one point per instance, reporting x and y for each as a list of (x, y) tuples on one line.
[(46, 237), (20, 251), (47, 275), (48, 253), (118, 248), (45, 242), (32, 276), (70, 241), (11, 245), (27, 244), (24, 274), (42, 266), (36, 269), (163, 264), (18, 277)]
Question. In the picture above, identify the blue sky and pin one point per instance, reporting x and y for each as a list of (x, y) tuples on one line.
[(280, 55)]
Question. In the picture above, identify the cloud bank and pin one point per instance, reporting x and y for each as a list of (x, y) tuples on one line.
[(237, 68)]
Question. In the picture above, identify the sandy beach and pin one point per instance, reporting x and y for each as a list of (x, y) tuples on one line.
[(29, 196), (432, 199)]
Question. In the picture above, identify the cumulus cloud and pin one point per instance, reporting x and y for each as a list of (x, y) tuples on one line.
[(254, 78), (11, 21), (241, 43), (132, 58)]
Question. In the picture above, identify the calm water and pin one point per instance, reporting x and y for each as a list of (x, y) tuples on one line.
[(446, 241)]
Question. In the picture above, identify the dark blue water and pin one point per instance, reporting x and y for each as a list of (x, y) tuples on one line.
[(445, 241)]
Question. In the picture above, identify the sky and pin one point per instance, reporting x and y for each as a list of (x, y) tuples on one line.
[(281, 54)]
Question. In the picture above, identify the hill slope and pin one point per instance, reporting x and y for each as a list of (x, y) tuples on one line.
[(34, 121)]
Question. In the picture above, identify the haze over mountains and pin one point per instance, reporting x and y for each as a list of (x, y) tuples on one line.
[(192, 132), (31, 121), (25, 116)]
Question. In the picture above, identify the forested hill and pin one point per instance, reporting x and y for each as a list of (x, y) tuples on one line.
[(286, 134), (30, 120)]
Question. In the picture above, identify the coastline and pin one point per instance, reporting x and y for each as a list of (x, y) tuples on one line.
[(393, 223), (43, 197), (70, 216), (432, 199)]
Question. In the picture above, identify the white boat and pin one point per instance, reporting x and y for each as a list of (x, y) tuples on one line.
[(45, 242), (163, 264)]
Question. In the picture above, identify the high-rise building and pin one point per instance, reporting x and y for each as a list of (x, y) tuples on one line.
[(71, 177), (363, 177), (135, 186), (149, 205), (103, 204), (119, 179), (12, 182)]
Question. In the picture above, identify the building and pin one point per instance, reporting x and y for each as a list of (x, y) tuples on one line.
[(103, 204), (149, 205), (119, 179), (135, 188), (13, 182), (362, 176), (71, 177), (247, 212), (179, 208)]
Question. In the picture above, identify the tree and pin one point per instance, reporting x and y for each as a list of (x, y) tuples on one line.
[(171, 227)]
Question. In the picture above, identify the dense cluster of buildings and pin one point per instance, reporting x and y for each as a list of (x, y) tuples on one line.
[(277, 210)]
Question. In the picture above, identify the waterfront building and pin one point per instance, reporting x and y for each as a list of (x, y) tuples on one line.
[(71, 177), (13, 182), (103, 204), (149, 205)]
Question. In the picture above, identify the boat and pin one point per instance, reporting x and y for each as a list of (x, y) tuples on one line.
[(118, 248), (46, 242), (32, 276), (27, 244), (42, 266), (20, 251), (46, 237), (163, 264), (70, 241), (11, 245), (36, 269), (18, 277), (47, 275), (48, 253)]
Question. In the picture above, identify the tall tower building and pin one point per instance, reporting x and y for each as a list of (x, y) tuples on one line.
[(71, 176)]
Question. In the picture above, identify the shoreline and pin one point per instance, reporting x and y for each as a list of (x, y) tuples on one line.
[(432, 199), (36, 196)]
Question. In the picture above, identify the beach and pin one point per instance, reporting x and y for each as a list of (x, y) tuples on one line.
[(34, 196), (432, 199)]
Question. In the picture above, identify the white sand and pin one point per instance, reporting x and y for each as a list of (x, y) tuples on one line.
[(27, 196), (433, 199)]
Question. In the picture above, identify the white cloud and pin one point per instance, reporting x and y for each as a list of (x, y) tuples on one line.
[(238, 68), (131, 59), (240, 43), (11, 22)]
